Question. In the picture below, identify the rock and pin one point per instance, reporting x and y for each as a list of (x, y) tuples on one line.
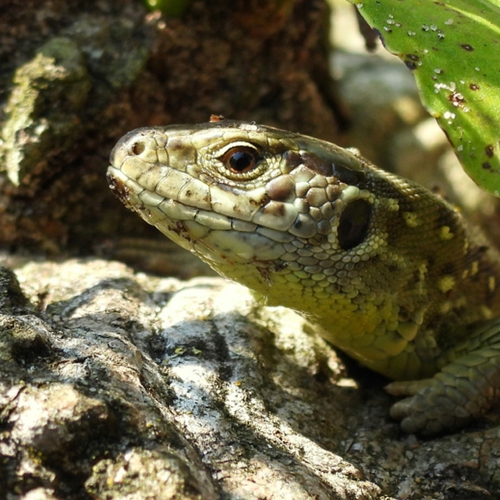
[(123, 385)]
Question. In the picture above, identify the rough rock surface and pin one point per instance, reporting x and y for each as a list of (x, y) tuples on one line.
[(123, 385)]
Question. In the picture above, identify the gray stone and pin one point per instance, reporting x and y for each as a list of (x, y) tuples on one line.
[(123, 385)]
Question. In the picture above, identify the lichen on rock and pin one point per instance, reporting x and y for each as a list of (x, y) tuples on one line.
[(43, 109)]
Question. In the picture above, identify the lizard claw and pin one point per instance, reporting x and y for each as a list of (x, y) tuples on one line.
[(417, 417), (433, 406)]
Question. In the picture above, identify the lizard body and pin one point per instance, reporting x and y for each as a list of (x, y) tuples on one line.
[(386, 270)]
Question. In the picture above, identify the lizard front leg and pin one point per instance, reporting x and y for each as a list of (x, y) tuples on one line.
[(463, 390)]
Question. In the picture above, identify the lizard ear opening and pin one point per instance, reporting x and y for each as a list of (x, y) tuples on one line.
[(353, 224)]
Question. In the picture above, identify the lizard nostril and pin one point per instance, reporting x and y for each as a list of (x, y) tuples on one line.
[(137, 148)]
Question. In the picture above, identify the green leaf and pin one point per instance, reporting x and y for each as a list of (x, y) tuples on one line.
[(453, 49)]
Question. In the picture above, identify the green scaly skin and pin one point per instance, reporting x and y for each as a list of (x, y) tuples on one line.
[(386, 270)]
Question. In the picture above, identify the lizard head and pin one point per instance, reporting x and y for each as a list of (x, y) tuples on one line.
[(299, 220), (243, 191)]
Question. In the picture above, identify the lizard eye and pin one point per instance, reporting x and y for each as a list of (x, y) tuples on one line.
[(240, 159), (354, 223)]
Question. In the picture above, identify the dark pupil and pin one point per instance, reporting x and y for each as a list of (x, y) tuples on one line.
[(241, 161)]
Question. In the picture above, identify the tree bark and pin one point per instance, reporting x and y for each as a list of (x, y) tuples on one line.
[(78, 75)]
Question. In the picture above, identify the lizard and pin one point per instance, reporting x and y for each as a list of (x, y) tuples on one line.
[(386, 270)]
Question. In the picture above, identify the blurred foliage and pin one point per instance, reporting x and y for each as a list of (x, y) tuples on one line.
[(169, 8)]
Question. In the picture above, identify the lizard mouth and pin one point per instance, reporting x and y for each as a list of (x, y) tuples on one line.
[(212, 236), (118, 187)]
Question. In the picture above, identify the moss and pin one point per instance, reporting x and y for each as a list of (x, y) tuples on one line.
[(48, 93)]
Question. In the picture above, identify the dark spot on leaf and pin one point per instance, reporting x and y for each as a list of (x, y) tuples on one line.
[(456, 98), (489, 150), (474, 86), (467, 47), (486, 165), (411, 60)]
